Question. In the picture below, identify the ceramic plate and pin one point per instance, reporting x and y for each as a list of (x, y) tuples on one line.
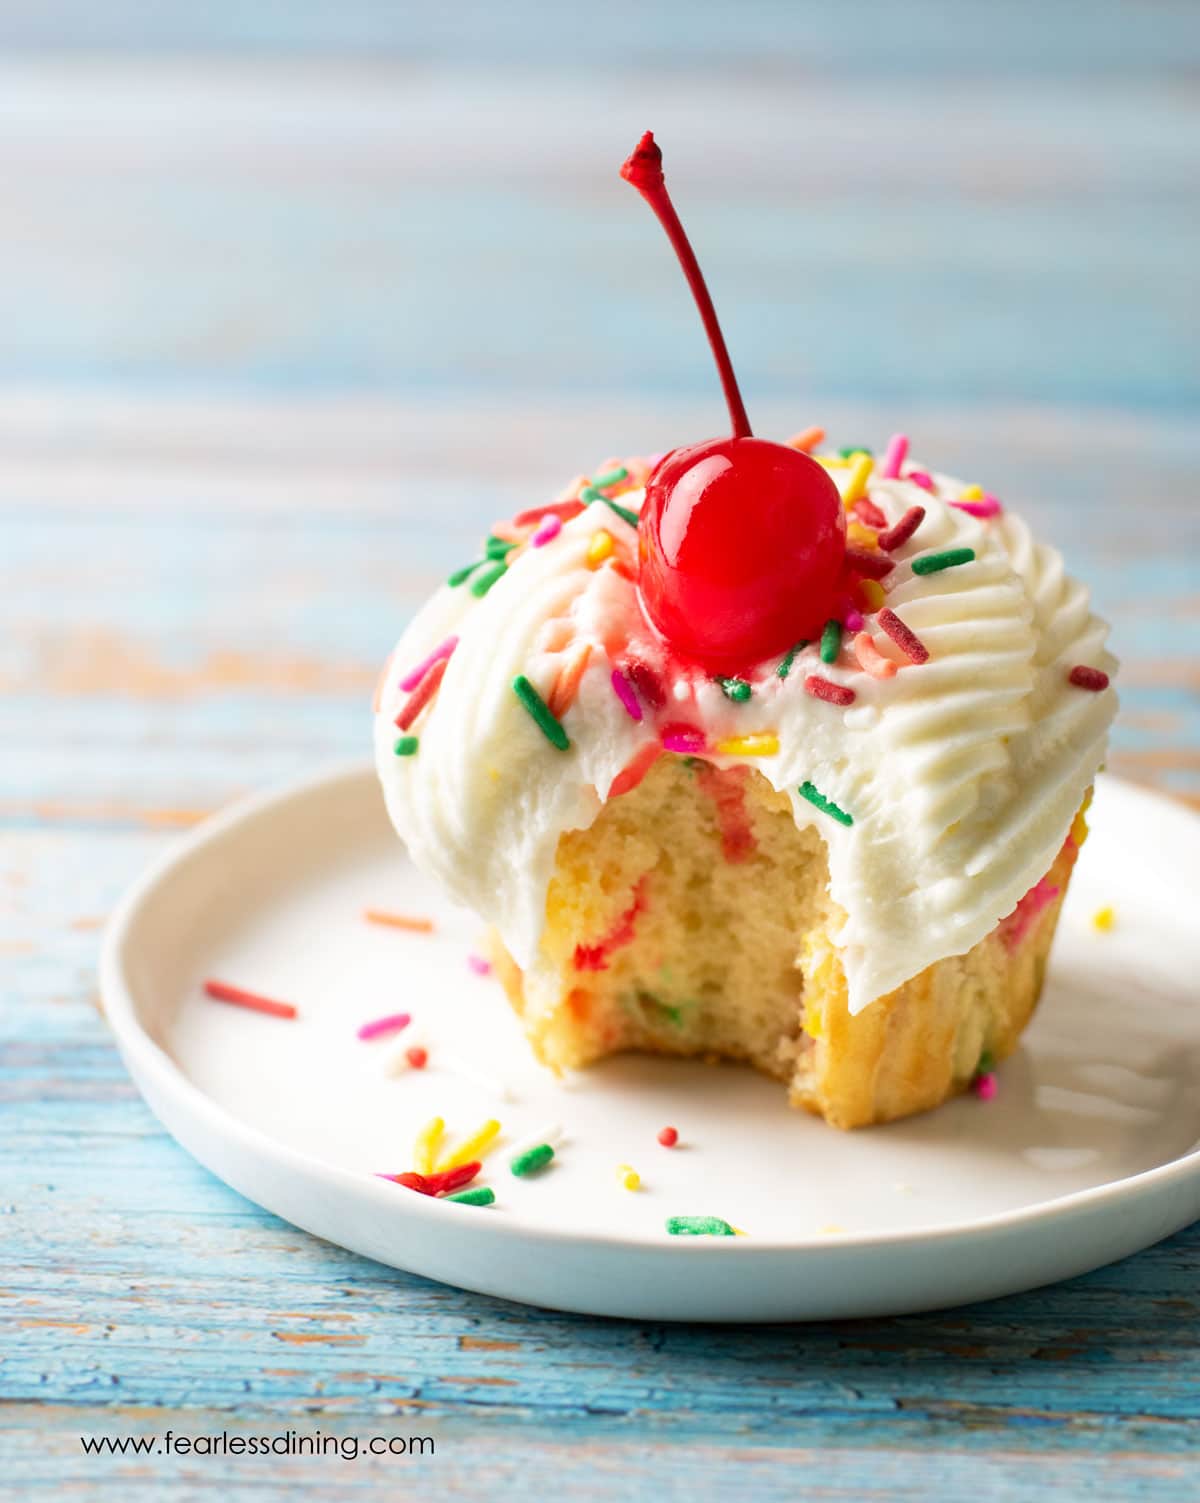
[(1089, 1152)]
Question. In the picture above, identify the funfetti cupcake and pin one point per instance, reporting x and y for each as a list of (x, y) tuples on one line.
[(759, 753)]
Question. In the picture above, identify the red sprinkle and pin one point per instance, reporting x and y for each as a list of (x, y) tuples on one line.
[(417, 1056), (870, 565), (903, 529), (444, 1183), (1083, 677), (596, 957), (223, 992), (870, 513), (646, 682), (904, 637), (634, 770), (822, 688), (668, 1137), (564, 510), (422, 694)]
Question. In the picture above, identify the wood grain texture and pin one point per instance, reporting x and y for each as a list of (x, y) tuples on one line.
[(264, 379)]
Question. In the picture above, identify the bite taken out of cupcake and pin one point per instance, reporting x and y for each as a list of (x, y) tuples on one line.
[(753, 752)]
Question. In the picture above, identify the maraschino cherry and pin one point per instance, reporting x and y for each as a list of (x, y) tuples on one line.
[(742, 541)]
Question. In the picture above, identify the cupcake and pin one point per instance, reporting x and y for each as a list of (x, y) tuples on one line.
[(760, 753)]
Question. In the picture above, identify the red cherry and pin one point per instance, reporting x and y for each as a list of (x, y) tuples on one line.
[(741, 541)]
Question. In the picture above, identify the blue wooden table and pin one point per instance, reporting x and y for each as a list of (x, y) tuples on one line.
[(294, 301)]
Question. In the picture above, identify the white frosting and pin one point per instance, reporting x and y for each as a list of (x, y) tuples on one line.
[(962, 774)]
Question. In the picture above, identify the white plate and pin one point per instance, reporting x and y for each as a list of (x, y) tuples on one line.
[(1089, 1153)]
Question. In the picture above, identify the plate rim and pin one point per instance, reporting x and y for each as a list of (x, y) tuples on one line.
[(141, 1053)]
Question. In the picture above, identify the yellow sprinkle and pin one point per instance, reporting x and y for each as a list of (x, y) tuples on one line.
[(737, 1231), (599, 548), (872, 592), (972, 493), (761, 744), (832, 461), (473, 1147), (860, 473), (426, 1145), (1104, 919), (865, 537), (630, 1178)]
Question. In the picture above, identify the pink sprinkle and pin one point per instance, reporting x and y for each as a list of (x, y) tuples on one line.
[(1084, 677), (919, 477), (623, 689), (550, 528), (480, 966), (852, 619), (894, 456), (987, 506), (682, 738), (984, 1086), (413, 678), (393, 1023)]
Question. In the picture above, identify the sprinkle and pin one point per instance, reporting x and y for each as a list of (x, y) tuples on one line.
[(548, 530), (852, 451), (860, 473), (1083, 677), (947, 558), (669, 1136), (566, 685), (599, 548), (785, 663), (590, 493), (736, 689), (461, 575), (831, 641), (647, 683), (563, 510), (623, 689), (852, 617), (406, 746), (426, 1144), (421, 695), (870, 659), (221, 991), (539, 711), (870, 514), (869, 565), (806, 440), (1104, 919), (414, 676), (869, 593), (984, 1087), (474, 1147), (381, 1027), (531, 1160), (822, 688), (826, 806), (454, 1064), (903, 530), (496, 548), (417, 1057), (413, 924), (894, 456), (481, 1197), (758, 744), (682, 738), (482, 583), (437, 1184), (986, 507), (480, 966), (904, 637), (698, 1226), (863, 537), (630, 1178), (921, 478), (832, 461), (610, 477), (987, 1063)]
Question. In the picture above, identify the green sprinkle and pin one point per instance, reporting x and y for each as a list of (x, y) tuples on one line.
[(481, 1197), (826, 806), (987, 1063), (785, 666), (406, 746), (854, 450), (483, 583), (610, 477), (461, 575), (622, 511), (589, 494), (699, 1226), (934, 563), (736, 689), (532, 1160), (540, 710), (497, 547), (673, 1015), (831, 641)]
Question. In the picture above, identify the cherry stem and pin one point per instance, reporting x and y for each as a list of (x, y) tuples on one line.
[(644, 170)]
